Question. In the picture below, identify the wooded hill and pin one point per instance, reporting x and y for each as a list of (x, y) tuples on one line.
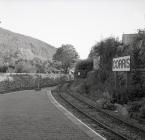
[(24, 47)]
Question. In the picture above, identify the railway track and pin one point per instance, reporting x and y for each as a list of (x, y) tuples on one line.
[(118, 128)]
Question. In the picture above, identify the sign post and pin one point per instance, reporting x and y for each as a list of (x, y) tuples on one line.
[(121, 64), (115, 75), (126, 79)]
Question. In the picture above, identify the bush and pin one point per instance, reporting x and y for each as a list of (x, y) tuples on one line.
[(108, 105), (119, 95), (134, 110), (135, 106), (83, 67), (27, 81), (3, 69), (103, 75), (82, 88), (142, 112), (135, 92)]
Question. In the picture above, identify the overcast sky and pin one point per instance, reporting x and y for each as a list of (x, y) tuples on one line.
[(81, 23)]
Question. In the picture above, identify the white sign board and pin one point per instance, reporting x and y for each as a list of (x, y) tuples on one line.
[(121, 64), (96, 62)]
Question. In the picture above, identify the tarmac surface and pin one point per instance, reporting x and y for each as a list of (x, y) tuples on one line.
[(30, 115)]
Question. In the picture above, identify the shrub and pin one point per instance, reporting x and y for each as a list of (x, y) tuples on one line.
[(103, 75), (83, 67), (135, 106), (3, 69), (134, 92), (119, 95), (91, 78), (108, 105), (142, 112), (134, 110), (82, 88)]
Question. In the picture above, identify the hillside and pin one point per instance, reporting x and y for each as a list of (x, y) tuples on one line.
[(26, 47)]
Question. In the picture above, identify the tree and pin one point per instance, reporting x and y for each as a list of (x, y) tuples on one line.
[(138, 55), (106, 49), (3, 69), (67, 55), (25, 67), (83, 67), (40, 68)]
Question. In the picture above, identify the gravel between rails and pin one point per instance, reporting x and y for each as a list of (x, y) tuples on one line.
[(97, 126), (122, 127)]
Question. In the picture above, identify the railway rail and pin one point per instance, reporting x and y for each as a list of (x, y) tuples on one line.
[(117, 127)]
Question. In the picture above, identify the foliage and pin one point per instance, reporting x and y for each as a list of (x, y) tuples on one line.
[(3, 69), (109, 48), (30, 81), (57, 65), (52, 67), (19, 68), (142, 112), (108, 105), (67, 55), (25, 67), (134, 110), (119, 95), (36, 61), (82, 88), (83, 67), (135, 106), (138, 55), (40, 68), (106, 49), (122, 95)]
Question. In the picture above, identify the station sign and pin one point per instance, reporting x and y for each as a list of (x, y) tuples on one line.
[(121, 64)]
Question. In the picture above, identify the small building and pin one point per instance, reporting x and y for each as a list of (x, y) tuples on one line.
[(128, 39)]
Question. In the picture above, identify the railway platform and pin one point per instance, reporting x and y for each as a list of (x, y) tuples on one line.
[(36, 115)]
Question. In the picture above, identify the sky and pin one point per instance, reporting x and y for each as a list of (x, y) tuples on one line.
[(81, 23)]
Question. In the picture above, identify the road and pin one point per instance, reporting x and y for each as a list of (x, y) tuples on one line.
[(29, 115)]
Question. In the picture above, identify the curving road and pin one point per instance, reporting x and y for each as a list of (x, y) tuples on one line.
[(29, 115)]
